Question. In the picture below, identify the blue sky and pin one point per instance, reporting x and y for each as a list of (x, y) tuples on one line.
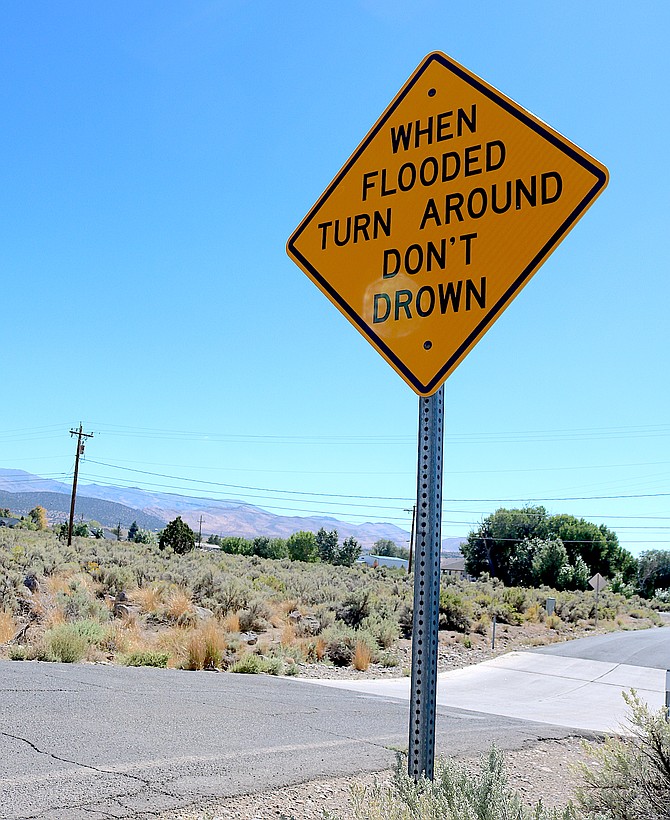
[(154, 159)]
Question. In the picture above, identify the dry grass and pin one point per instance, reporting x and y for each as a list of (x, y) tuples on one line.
[(174, 641), (231, 622), (205, 646), (7, 627), (320, 649), (179, 606), (287, 636), (361, 659), (59, 582), (149, 599)]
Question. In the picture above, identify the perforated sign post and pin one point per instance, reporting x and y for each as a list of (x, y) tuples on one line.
[(438, 219)]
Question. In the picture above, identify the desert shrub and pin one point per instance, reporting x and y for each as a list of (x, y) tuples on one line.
[(405, 620), (17, 653), (149, 598), (252, 664), (631, 776), (340, 645), (179, 607), (146, 658), (77, 602), (205, 648), (515, 597), (455, 613), (505, 614), (355, 608), (553, 622), (576, 606), (384, 630), (291, 670), (255, 617), (534, 614), (114, 579), (66, 644), (456, 793), (340, 651), (388, 660), (232, 595), (482, 625)]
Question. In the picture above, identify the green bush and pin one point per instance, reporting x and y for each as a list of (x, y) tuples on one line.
[(455, 613), (66, 643), (17, 653), (631, 776), (158, 659), (456, 793), (252, 664)]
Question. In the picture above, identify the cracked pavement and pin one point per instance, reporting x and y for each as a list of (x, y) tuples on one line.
[(112, 742)]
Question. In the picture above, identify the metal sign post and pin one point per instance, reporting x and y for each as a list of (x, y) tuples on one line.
[(439, 218), (426, 587)]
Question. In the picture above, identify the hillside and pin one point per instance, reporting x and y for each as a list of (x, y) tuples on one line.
[(152, 510), (57, 506)]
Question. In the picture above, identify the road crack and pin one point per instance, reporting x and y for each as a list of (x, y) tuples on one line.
[(151, 787)]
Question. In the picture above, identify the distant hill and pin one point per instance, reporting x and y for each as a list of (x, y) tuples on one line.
[(152, 510), (57, 506), (453, 544)]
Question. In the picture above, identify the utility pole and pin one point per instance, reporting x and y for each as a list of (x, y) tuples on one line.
[(80, 452), (200, 534), (411, 539)]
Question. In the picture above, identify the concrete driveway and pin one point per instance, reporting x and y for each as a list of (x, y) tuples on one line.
[(557, 689)]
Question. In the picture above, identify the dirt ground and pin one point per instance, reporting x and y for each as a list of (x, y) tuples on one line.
[(546, 770)]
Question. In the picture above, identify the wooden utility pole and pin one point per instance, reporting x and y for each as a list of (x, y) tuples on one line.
[(200, 534), (80, 452), (411, 539)]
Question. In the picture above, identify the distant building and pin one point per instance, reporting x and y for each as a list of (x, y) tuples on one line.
[(9, 522), (455, 568), (383, 561)]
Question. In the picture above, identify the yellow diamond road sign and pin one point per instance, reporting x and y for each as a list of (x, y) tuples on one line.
[(440, 216)]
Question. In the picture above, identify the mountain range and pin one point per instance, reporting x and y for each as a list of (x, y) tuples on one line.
[(21, 491)]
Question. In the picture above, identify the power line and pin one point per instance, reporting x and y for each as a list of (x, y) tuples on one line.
[(384, 498)]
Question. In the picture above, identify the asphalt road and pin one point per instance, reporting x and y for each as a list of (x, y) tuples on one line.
[(100, 741), (647, 647)]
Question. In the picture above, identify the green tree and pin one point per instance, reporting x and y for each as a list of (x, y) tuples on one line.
[(653, 572), (491, 547), (81, 529), (177, 535), (384, 546), (269, 547), (143, 537), (38, 515), (348, 553), (327, 544), (550, 562), (132, 531), (4, 512), (595, 543), (236, 545), (302, 547)]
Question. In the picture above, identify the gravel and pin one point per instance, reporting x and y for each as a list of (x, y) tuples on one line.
[(542, 770)]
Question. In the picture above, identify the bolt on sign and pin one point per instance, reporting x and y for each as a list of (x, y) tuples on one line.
[(440, 217)]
